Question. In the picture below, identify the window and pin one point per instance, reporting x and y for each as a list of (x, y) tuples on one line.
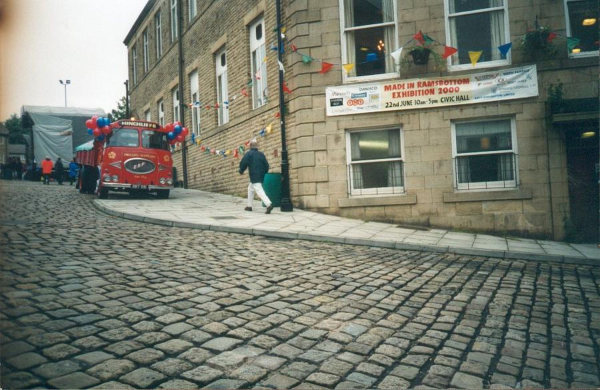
[(195, 102), (582, 23), (147, 116), (123, 137), (158, 26), (154, 140), (484, 154), (476, 25), (134, 64), (375, 162), (222, 92), (193, 9), (175, 95), (173, 20), (146, 59), (259, 66), (161, 113), (368, 37)]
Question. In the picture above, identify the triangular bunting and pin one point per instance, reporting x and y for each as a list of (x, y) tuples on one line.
[(348, 67), (419, 37), (286, 89), (474, 56), (504, 49), (281, 68), (428, 40), (306, 59), (294, 48), (269, 128), (325, 67), (448, 51), (396, 55), (572, 42)]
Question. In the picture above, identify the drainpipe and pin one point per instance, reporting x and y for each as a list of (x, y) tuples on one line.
[(181, 89), (286, 203)]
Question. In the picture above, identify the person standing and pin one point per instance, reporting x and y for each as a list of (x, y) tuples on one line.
[(257, 165), (47, 169), (59, 171), (73, 171)]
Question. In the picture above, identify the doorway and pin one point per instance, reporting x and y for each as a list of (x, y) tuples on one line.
[(582, 162)]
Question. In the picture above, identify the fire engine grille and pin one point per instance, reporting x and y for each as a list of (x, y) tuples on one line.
[(139, 166)]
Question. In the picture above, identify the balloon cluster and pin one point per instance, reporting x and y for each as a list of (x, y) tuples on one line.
[(98, 127), (176, 132)]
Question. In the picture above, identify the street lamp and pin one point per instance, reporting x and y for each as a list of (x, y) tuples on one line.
[(67, 82)]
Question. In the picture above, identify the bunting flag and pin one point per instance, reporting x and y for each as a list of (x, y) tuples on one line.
[(262, 133), (572, 42), (244, 92), (281, 68), (241, 149), (474, 56), (419, 37), (306, 59), (428, 40), (269, 128), (294, 48), (235, 153), (285, 88), (257, 75), (194, 105), (193, 138), (348, 67), (325, 67), (504, 49), (448, 51), (396, 55), (551, 37)]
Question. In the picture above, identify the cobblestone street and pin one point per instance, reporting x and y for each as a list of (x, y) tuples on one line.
[(91, 300)]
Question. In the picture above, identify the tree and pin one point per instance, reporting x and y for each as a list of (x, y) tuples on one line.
[(15, 130), (120, 112)]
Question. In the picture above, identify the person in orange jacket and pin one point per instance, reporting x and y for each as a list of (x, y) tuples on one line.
[(47, 169)]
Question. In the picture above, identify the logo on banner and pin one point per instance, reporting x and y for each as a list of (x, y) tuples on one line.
[(336, 102), (358, 95), (355, 102)]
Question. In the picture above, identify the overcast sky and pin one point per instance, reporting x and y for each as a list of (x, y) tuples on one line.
[(43, 41)]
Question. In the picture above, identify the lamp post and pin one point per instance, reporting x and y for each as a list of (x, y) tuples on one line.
[(286, 203), (67, 82)]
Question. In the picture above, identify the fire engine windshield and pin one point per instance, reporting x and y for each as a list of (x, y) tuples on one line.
[(154, 140), (124, 137)]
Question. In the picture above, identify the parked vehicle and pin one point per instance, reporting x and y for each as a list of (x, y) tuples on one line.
[(133, 157)]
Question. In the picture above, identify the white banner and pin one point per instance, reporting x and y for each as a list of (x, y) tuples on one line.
[(505, 84)]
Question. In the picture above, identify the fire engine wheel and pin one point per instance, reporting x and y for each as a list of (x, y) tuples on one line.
[(163, 194), (103, 193)]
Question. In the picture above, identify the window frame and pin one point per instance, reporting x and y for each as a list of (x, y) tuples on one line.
[(176, 102), (145, 51), (258, 46), (195, 96), (174, 21), (584, 54), (161, 112), (158, 31), (478, 65), (344, 30), (486, 186), (192, 9), (386, 191), (134, 63), (148, 115), (222, 90)]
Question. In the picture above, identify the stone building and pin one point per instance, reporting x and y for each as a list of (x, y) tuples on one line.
[(494, 138)]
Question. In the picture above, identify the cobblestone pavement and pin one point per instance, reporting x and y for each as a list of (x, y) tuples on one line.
[(90, 300)]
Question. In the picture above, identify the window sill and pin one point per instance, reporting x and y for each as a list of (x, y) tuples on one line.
[(481, 196), (378, 201), (370, 79)]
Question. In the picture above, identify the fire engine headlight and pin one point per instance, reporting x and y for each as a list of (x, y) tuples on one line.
[(169, 182), (115, 178), (106, 177), (162, 180)]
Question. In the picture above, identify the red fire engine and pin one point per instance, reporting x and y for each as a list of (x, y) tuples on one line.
[(133, 157)]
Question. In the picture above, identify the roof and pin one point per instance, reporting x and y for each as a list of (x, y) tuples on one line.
[(139, 21), (63, 111), (16, 148)]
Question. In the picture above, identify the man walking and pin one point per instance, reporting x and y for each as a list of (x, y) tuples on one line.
[(47, 170), (258, 166), (73, 171)]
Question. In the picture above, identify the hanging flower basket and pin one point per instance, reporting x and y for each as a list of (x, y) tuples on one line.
[(537, 44), (420, 55)]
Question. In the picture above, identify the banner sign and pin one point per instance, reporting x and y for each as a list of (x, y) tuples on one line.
[(505, 84)]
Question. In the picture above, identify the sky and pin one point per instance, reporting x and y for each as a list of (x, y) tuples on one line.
[(44, 41)]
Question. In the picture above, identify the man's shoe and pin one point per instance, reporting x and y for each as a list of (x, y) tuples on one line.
[(248, 209), (269, 209)]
